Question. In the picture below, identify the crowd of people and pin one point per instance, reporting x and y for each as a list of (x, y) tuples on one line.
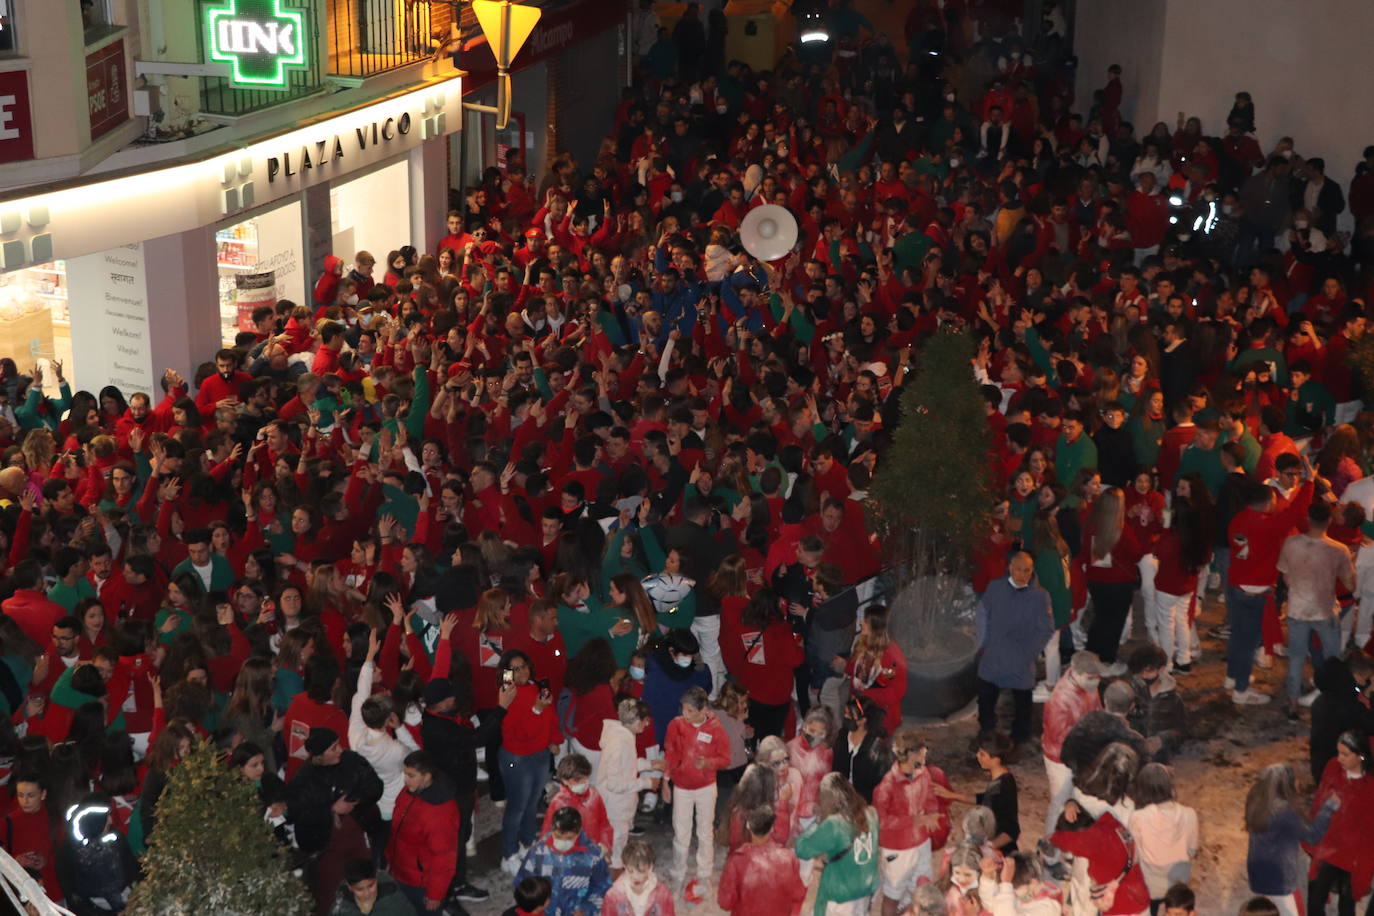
[(568, 516)]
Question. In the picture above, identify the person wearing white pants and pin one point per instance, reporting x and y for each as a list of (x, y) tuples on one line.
[(707, 632), (695, 748), (617, 778)]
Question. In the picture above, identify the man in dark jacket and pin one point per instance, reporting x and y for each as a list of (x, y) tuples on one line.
[(1013, 623), (452, 742), (1158, 711), (332, 801), (1102, 727), (1115, 448), (702, 552), (1344, 704), (368, 890)]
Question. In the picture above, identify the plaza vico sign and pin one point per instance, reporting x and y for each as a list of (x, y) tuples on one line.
[(259, 39)]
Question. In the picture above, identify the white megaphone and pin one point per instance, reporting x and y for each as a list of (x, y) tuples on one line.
[(768, 232)]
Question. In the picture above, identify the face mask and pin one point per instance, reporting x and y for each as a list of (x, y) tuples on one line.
[(1287, 154), (580, 788), (1184, 236), (962, 885), (563, 845), (722, 109), (954, 163), (676, 197), (949, 96), (351, 300), (1226, 209), (1299, 224), (682, 661), (637, 672), (811, 740)]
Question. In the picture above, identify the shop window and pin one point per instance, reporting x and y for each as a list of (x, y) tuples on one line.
[(35, 323), (9, 36), (373, 36), (219, 96), (259, 262)]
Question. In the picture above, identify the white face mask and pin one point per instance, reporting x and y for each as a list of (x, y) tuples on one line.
[(682, 661), (563, 845), (1299, 224), (676, 197), (954, 163), (579, 788), (637, 672), (352, 300)]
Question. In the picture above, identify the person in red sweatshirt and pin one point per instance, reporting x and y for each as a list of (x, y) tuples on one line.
[(222, 388), (28, 833), (575, 790), (313, 708), (1256, 536), (29, 606), (1117, 884), (695, 747), (761, 870), (544, 645), (908, 817), (529, 737), (423, 849)]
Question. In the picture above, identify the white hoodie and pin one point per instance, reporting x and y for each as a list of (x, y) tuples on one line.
[(1166, 836)]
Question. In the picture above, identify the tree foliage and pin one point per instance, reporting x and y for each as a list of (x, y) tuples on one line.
[(212, 851), (934, 479)]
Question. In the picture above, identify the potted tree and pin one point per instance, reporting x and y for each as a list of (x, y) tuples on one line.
[(931, 501), (212, 851)]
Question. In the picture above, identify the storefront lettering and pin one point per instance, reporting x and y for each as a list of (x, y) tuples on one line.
[(288, 164)]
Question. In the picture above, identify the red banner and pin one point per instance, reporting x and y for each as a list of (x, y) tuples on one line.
[(107, 86), (557, 29), (16, 123)]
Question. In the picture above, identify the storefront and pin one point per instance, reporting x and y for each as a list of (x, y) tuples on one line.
[(121, 277)]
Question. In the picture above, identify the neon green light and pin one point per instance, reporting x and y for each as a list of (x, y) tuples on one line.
[(259, 39)]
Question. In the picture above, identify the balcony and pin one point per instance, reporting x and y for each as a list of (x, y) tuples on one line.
[(218, 96), (367, 37)]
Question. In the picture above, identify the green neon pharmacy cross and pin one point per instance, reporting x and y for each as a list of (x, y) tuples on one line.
[(259, 39)]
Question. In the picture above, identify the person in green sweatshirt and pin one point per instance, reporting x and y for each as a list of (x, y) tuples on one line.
[(845, 836), (1203, 457), (1074, 449), (1310, 407), (72, 585)]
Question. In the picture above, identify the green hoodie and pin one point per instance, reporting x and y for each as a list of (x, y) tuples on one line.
[(851, 866)]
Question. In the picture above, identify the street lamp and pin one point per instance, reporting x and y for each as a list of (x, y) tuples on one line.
[(507, 25)]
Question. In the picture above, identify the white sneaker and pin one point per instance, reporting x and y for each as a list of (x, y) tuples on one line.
[(1281, 650), (1042, 692), (472, 846), (1228, 683), (1264, 660), (1251, 697), (1309, 698), (511, 864)]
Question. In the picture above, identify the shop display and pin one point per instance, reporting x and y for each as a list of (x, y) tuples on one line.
[(35, 321)]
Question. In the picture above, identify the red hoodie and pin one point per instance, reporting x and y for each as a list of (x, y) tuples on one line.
[(1257, 537), (327, 287)]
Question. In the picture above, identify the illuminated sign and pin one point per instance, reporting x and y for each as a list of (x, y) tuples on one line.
[(258, 39)]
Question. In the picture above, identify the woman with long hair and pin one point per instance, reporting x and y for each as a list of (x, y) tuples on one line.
[(863, 751), (631, 604), (1276, 828), (877, 666), (1184, 550), (757, 787), (483, 642), (1343, 859), (845, 835), (529, 738), (1110, 553), (180, 607), (1166, 833), (582, 617), (1053, 571), (768, 656), (588, 680), (1339, 459), (250, 707)]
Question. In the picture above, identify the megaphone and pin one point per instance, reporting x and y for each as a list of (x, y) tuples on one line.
[(768, 232)]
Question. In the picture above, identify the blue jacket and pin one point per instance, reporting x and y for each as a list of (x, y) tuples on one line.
[(678, 308), (664, 685), (1013, 625), (580, 877), (1272, 860)]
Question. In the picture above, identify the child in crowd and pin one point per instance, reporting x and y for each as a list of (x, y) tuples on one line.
[(575, 790), (576, 867), (695, 749)]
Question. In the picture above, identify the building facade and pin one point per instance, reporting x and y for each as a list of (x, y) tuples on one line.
[(167, 166)]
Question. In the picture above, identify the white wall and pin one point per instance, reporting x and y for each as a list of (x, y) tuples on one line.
[(1125, 32), (1301, 62)]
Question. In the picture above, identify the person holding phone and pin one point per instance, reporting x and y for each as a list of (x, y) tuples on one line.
[(529, 738)]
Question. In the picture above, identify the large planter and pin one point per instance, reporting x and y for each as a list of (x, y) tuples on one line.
[(938, 688), (932, 620)]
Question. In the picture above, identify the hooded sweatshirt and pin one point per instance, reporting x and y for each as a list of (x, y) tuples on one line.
[(1166, 836), (327, 287), (423, 851)]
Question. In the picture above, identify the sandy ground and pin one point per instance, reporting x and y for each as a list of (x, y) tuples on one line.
[(1212, 772)]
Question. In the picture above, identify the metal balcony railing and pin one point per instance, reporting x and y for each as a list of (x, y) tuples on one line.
[(372, 36), (218, 96)]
